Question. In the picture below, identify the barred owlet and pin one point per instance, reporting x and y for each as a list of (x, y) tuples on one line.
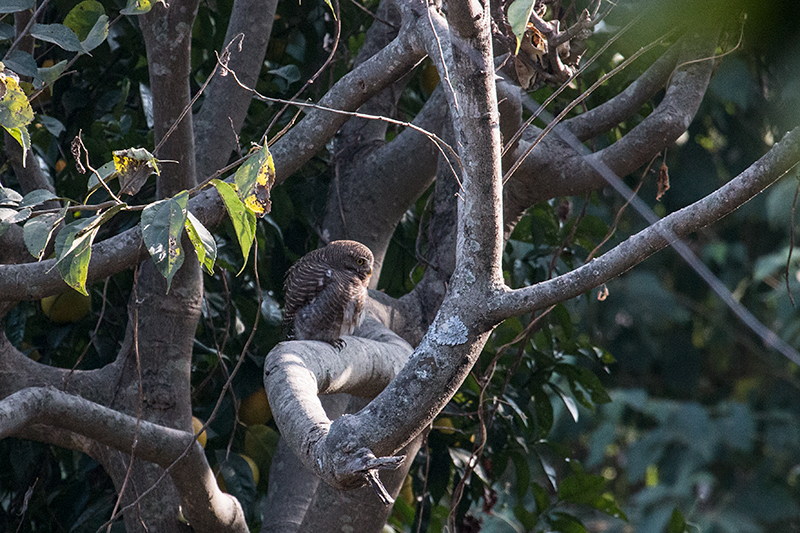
[(326, 291)]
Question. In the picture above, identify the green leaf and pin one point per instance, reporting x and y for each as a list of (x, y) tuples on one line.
[(6, 31), (83, 17), (38, 230), (11, 216), (59, 35), (97, 35), (569, 402), (34, 198), (106, 172), (204, 244), (677, 523), (9, 196), (134, 165), (21, 63), (254, 179), (162, 226), (74, 250), (23, 138), (244, 221), (15, 110), (522, 474), (53, 125), (519, 13), (49, 75), (12, 6)]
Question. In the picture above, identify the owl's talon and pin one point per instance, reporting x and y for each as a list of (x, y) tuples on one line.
[(338, 344)]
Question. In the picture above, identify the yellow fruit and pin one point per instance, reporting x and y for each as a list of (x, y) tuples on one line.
[(253, 467), (255, 409), (69, 306), (445, 425), (60, 165), (428, 77), (197, 425)]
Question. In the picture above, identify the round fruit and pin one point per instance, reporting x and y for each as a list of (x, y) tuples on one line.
[(197, 425), (67, 307), (255, 409), (60, 166), (445, 425)]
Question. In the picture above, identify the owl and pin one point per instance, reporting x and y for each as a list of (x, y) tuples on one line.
[(326, 292)]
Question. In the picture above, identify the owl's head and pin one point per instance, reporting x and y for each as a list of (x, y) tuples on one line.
[(352, 256)]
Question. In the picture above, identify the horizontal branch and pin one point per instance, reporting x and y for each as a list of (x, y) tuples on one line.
[(760, 175), (204, 505)]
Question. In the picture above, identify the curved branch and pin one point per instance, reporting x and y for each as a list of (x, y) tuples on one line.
[(780, 159), (619, 108), (204, 505), (295, 372), (553, 169)]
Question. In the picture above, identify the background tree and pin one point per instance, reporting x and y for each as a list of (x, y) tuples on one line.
[(510, 338)]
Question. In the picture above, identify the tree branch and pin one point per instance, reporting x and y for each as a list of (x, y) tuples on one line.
[(780, 159), (204, 505), (226, 103), (553, 169), (296, 372)]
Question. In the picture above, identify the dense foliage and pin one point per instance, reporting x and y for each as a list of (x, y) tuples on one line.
[(654, 408)]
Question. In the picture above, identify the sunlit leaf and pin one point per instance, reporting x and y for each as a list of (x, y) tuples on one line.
[(204, 244), (97, 35), (106, 172), (83, 17), (254, 179), (162, 226), (21, 63), (519, 13), (23, 138), (59, 35), (74, 250), (134, 165), (15, 111), (243, 219), (9, 196)]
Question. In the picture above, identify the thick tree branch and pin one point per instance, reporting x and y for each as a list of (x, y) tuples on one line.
[(296, 372), (225, 105), (780, 159), (204, 505)]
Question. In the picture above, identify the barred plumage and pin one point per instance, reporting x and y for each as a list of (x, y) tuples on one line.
[(326, 291)]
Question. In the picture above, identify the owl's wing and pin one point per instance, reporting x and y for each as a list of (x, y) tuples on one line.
[(306, 279)]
